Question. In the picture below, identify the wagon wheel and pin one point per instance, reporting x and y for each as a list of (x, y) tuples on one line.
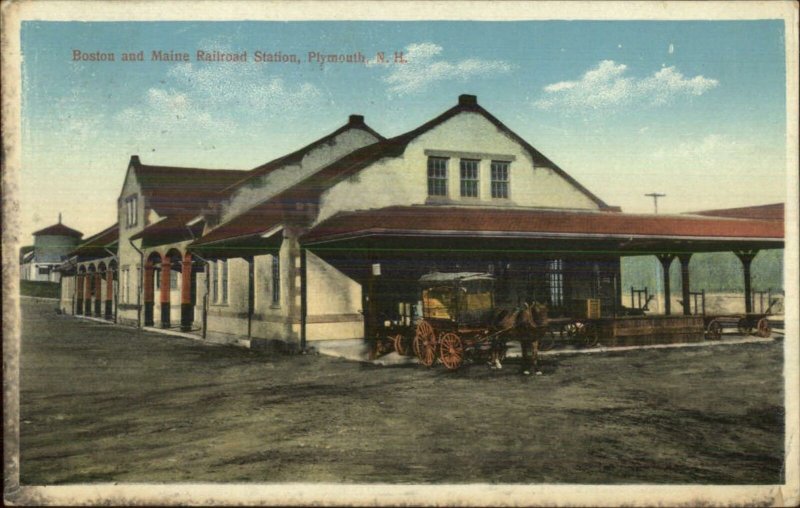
[(714, 330), (400, 344), (764, 329), (548, 341), (744, 326), (589, 335), (425, 344), (451, 350)]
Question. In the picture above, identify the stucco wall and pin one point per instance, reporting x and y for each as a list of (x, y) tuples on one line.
[(334, 303), (128, 312), (278, 180), (67, 294), (403, 180)]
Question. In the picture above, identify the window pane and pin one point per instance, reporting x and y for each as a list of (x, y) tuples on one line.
[(276, 279), (224, 281), (437, 176), (469, 178), (499, 179)]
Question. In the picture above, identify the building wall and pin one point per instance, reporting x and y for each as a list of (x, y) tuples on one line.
[(67, 298), (129, 258), (334, 303), (279, 179), (467, 135)]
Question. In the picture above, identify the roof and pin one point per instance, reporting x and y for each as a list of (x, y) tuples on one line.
[(25, 252), (454, 276), (170, 190), (58, 230), (773, 211), (269, 213), (443, 220), (169, 230), (96, 245), (354, 122), (312, 187)]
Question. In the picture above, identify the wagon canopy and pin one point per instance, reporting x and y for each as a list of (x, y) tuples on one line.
[(465, 298)]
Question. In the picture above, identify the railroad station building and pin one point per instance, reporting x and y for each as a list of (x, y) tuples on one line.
[(323, 246)]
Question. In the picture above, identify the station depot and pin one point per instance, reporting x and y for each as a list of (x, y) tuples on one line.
[(325, 247)]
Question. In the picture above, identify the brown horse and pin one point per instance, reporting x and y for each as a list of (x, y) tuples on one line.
[(528, 325)]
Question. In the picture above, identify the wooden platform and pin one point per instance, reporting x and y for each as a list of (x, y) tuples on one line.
[(646, 330)]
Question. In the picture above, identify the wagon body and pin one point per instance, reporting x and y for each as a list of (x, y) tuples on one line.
[(457, 300)]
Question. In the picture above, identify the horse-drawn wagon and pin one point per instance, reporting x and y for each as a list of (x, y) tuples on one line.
[(459, 321)]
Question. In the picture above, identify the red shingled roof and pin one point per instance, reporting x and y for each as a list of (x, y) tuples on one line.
[(169, 230), (266, 215), (58, 230), (532, 223), (176, 190), (96, 245), (355, 122), (765, 212)]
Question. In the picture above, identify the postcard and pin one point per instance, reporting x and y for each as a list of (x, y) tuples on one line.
[(400, 253)]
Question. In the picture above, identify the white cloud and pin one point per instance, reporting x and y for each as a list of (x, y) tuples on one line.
[(706, 151), (425, 67), (671, 48), (608, 85)]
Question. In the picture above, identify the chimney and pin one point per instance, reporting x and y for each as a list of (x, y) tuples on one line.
[(467, 100), (59, 217), (135, 160), (356, 120)]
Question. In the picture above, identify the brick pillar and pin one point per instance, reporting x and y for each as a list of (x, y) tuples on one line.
[(78, 294), (87, 295), (149, 296), (98, 302), (165, 271), (187, 305), (109, 294)]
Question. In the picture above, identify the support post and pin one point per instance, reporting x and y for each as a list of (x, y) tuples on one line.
[(78, 294), (109, 310), (303, 298), (98, 294), (87, 292), (685, 288), (251, 294), (187, 305), (746, 257), (666, 261), (149, 294), (166, 268)]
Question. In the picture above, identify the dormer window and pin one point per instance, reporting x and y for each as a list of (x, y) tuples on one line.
[(437, 176), (469, 178), (131, 211)]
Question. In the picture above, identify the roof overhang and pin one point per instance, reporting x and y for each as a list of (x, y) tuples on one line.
[(266, 242)]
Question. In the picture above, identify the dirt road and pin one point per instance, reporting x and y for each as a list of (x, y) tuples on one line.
[(103, 403)]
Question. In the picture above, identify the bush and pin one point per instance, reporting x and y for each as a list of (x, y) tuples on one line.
[(40, 289)]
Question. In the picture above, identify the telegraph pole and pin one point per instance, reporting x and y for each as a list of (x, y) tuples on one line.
[(655, 196)]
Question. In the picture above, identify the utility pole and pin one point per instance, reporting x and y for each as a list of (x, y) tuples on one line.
[(655, 196)]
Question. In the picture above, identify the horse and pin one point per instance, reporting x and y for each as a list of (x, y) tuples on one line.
[(527, 324)]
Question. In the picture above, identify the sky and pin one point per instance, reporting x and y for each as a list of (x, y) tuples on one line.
[(692, 109)]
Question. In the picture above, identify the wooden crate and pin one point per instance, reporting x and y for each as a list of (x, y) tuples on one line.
[(586, 308)]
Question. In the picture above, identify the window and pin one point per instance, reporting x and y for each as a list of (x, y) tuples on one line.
[(555, 281), (44, 270), (212, 280), (437, 176), (157, 277), (131, 211), (224, 281), (218, 281), (173, 279), (500, 180), (125, 283), (469, 178), (276, 279)]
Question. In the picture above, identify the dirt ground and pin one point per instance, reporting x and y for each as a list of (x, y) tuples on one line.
[(102, 403)]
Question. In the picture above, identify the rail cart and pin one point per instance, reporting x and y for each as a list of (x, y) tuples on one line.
[(756, 323), (460, 322)]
